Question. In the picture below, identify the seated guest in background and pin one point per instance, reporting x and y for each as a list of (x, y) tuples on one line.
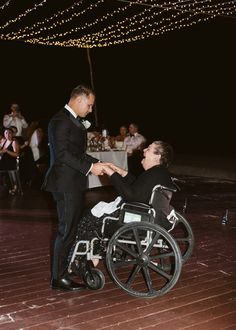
[(19, 139), (123, 133), (9, 151), (134, 144), (134, 141), (15, 118), (119, 139), (14, 130), (157, 158)]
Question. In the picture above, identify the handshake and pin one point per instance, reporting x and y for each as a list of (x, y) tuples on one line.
[(108, 169)]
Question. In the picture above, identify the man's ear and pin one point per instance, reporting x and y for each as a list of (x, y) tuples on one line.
[(158, 157), (79, 98)]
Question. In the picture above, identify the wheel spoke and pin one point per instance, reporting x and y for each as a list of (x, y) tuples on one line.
[(137, 239), (147, 278), (184, 239), (133, 273), (161, 256), (124, 247), (150, 246), (123, 263), (160, 271)]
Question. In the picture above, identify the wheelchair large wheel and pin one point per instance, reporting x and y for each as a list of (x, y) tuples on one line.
[(143, 259), (183, 235), (94, 279)]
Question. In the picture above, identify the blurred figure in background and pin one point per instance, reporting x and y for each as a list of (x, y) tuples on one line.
[(134, 144), (119, 139), (35, 138), (9, 151), (15, 118)]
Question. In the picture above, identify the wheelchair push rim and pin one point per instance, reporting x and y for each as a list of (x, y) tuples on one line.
[(143, 259)]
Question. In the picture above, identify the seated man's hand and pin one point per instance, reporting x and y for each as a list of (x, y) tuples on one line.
[(107, 169), (111, 168), (97, 169)]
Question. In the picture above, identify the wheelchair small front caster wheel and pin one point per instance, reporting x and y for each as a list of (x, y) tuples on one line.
[(94, 279)]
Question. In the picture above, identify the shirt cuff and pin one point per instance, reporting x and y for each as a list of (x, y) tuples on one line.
[(89, 170)]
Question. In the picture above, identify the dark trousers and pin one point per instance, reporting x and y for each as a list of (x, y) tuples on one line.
[(69, 211)]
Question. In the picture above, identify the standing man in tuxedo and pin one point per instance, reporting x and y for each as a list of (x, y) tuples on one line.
[(67, 177)]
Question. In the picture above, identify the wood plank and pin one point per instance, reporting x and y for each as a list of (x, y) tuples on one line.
[(203, 298)]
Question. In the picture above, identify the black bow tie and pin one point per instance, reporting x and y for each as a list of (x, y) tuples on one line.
[(80, 119)]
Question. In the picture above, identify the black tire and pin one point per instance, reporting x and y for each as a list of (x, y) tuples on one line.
[(183, 235), (151, 267), (94, 279)]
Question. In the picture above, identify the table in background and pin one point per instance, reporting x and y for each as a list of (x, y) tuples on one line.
[(118, 157)]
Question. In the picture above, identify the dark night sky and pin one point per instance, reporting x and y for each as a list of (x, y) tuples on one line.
[(185, 79)]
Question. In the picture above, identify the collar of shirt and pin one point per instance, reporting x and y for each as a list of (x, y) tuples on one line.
[(70, 110)]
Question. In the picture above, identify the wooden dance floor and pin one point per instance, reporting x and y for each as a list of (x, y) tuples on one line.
[(204, 297)]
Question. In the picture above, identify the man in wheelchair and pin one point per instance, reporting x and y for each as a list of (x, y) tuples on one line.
[(157, 158), (132, 233)]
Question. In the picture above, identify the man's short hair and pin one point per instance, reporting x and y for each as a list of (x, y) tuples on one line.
[(81, 90)]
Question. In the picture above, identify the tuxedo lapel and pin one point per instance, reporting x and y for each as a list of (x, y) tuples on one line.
[(74, 120)]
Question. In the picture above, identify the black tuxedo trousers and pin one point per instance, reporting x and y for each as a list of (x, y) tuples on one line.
[(69, 211)]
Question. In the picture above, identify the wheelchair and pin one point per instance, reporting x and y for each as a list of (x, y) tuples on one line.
[(142, 257)]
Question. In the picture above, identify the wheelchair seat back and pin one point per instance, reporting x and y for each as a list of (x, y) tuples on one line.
[(160, 201)]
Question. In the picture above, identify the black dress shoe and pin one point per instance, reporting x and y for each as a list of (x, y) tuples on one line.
[(66, 284)]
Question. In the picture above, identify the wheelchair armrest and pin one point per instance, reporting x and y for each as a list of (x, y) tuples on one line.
[(175, 180), (160, 187), (135, 204)]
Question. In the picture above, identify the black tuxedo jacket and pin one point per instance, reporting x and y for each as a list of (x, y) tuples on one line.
[(140, 189), (69, 163)]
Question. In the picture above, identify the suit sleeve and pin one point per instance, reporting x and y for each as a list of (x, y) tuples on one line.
[(60, 136), (124, 186)]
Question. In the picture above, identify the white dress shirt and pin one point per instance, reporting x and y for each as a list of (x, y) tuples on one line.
[(19, 123), (134, 142), (70, 110), (34, 145)]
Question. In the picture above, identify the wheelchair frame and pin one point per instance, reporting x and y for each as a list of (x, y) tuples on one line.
[(142, 258)]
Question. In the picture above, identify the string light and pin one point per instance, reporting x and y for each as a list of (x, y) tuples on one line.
[(130, 21), (5, 4), (72, 30), (23, 15), (106, 38), (59, 13), (121, 25)]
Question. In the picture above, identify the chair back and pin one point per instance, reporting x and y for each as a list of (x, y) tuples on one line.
[(160, 201)]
